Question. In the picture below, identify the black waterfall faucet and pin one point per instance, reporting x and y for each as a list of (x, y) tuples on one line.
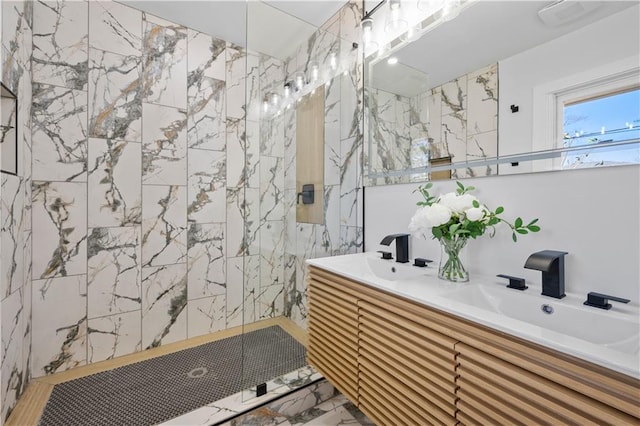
[(402, 246), (551, 263)]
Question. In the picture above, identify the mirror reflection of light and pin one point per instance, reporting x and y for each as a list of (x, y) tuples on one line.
[(392, 60), (333, 61), (395, 23), (314, 71), (450, 10), (299, 81)]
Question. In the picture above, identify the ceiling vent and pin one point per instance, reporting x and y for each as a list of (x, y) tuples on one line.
[(565, 11)]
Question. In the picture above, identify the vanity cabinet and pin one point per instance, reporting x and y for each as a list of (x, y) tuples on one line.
[(404, 363), (333, 323)]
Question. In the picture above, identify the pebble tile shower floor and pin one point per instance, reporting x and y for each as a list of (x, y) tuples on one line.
[(158, 389)]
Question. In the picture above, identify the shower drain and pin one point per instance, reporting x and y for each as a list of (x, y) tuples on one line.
[(197, 372)]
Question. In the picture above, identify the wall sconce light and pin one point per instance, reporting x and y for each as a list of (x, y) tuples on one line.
[(395, 23), (299, 80), (274, 99), (333, 61), (397, 19), (314, 72), (367, 34)]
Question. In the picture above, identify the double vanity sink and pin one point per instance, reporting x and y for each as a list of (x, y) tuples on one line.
[(609, 338)]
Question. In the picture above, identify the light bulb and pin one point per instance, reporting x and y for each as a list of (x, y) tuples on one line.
[(275, 99), (395, 23), (367, 30), (287, 90), (314, 71), (299, 81), (333, 61)]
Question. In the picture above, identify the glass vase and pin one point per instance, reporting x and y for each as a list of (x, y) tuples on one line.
[(451, 264)]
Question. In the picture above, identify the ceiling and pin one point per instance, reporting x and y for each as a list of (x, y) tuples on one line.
[(485, 32), (273, 23)]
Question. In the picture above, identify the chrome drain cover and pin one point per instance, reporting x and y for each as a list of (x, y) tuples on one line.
[(197, 372), (547, 309)]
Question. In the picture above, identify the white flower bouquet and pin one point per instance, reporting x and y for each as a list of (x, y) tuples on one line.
[(455, 217)]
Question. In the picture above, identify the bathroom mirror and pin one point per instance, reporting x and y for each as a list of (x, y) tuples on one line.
[(500, 87), (8, 131)]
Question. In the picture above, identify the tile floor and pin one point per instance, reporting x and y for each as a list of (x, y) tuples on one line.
[(337, 410)]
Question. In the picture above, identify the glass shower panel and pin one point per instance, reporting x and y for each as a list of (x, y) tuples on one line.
[(277, 77)]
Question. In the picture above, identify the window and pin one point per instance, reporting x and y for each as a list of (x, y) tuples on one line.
[(588, 119), (597, 122)]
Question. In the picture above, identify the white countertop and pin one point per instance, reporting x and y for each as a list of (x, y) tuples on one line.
[(427, 289)]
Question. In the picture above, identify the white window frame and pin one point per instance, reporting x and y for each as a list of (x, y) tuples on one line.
[(549, 100)]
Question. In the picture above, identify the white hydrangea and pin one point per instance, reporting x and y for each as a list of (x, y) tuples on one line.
[(427, 217), (438, 214), (475, 213), (457, 203)]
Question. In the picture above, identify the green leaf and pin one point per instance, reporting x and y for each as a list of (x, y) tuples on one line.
[(476, 204), (460, 185), (437, 232), (533, 221), (533, 228), (522, 231), (518, 222), (515, 238), (493, 221), (499, 210), (470, 188)]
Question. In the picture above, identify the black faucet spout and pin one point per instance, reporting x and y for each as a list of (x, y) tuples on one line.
[(551, 264), (402, 246)]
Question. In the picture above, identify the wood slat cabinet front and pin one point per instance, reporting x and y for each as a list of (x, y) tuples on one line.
[(333, 332), (405, 363), (496, 391)]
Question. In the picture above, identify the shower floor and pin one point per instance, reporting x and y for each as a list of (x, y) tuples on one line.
[(158, 389)]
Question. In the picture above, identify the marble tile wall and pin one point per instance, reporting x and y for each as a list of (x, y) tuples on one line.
[(457, 119), (341, 230), (15, 211), (163, 204), (129, 193)]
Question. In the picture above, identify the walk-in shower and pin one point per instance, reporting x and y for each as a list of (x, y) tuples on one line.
[(159, 171)]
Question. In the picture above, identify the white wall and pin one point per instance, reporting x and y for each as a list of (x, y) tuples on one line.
[(594, 214), (606, 41)]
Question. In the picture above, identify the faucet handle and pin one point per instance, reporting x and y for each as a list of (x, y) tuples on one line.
[(421, 262), (599, 300), (515, 283), (385, 254)]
